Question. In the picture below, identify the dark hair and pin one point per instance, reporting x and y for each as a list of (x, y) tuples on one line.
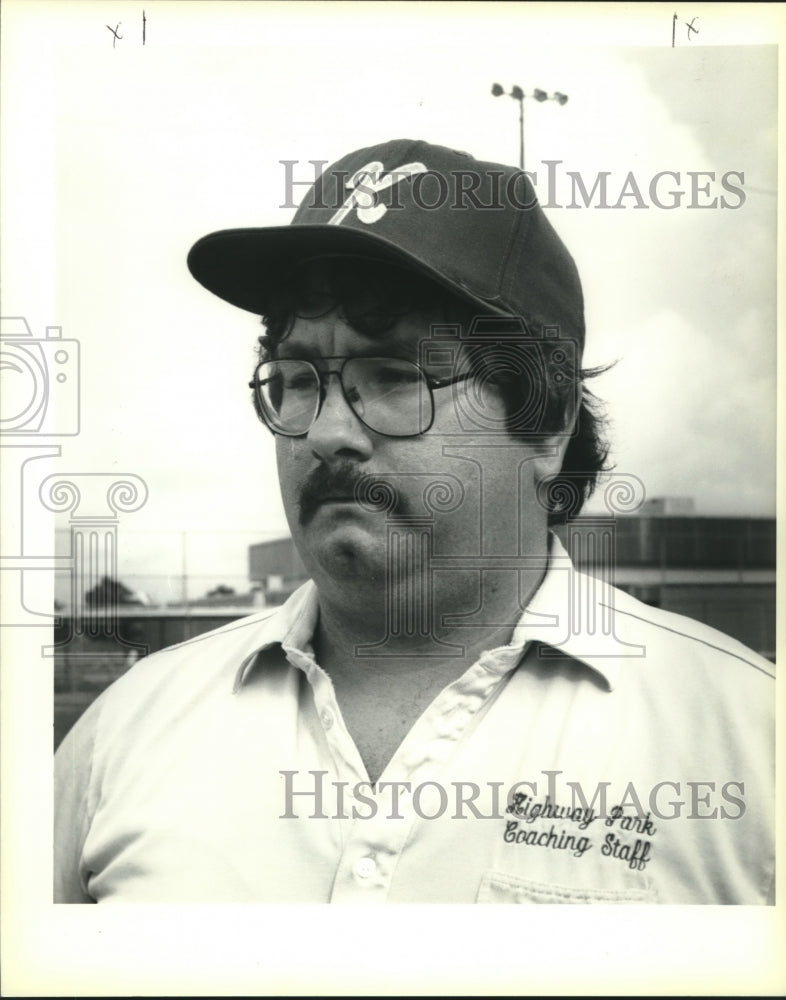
[(529, 363)]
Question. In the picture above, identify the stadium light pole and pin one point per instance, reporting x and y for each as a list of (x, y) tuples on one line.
[(518, 95)]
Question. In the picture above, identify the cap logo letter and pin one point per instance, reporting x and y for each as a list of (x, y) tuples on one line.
[(364, 185)]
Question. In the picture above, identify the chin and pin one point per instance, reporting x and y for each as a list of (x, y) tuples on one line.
[(349, 553)]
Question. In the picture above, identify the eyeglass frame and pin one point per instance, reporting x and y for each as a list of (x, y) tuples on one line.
[(430, 381)]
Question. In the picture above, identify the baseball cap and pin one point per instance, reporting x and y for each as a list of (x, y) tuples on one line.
[(474, 227)]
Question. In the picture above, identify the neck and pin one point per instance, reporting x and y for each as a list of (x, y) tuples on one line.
[(451, 630)]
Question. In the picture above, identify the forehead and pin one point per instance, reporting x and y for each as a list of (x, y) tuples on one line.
[(364, 304), (333, 335)]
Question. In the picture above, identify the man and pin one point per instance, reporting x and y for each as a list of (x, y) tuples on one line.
[(447, 711)]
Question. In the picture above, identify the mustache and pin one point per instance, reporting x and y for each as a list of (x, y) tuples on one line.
[(332, 481)]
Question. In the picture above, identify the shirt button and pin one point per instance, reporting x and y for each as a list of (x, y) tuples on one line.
[(365, 867), (327, 719)]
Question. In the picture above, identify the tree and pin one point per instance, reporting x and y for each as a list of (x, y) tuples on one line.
[(109, 593)]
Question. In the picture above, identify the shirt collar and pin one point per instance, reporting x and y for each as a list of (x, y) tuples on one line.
[(292, 626), (572, 614), (566, 614)]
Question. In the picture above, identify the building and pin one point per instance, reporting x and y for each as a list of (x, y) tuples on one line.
[(671, 506), (718, 570), (276, 568)]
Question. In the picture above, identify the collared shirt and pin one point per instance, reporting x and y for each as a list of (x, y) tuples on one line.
[(611, 752)]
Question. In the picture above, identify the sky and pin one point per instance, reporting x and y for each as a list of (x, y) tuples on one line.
[(136, 150), (117, 156)]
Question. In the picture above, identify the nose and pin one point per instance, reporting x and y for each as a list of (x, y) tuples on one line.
[(337, 434)]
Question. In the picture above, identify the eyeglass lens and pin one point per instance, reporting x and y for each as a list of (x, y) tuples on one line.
[(389, 395)]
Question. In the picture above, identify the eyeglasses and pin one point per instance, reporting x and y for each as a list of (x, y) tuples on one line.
[(391, 396)]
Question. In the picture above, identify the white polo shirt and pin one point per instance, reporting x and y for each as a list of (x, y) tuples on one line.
[(611, 753)]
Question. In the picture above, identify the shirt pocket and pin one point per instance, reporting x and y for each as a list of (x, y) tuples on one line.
[(500, 887)]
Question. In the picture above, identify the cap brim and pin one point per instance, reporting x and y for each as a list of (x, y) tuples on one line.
[(245, 266)]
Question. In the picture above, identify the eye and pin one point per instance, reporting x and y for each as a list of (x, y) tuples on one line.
[(314, 304), (299, 381), (393, 374)]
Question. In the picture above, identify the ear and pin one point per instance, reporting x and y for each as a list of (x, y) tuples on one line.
[(550, 453), (551, 448)]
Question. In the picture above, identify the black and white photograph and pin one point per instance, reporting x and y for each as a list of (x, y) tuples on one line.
[(390, 490)]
